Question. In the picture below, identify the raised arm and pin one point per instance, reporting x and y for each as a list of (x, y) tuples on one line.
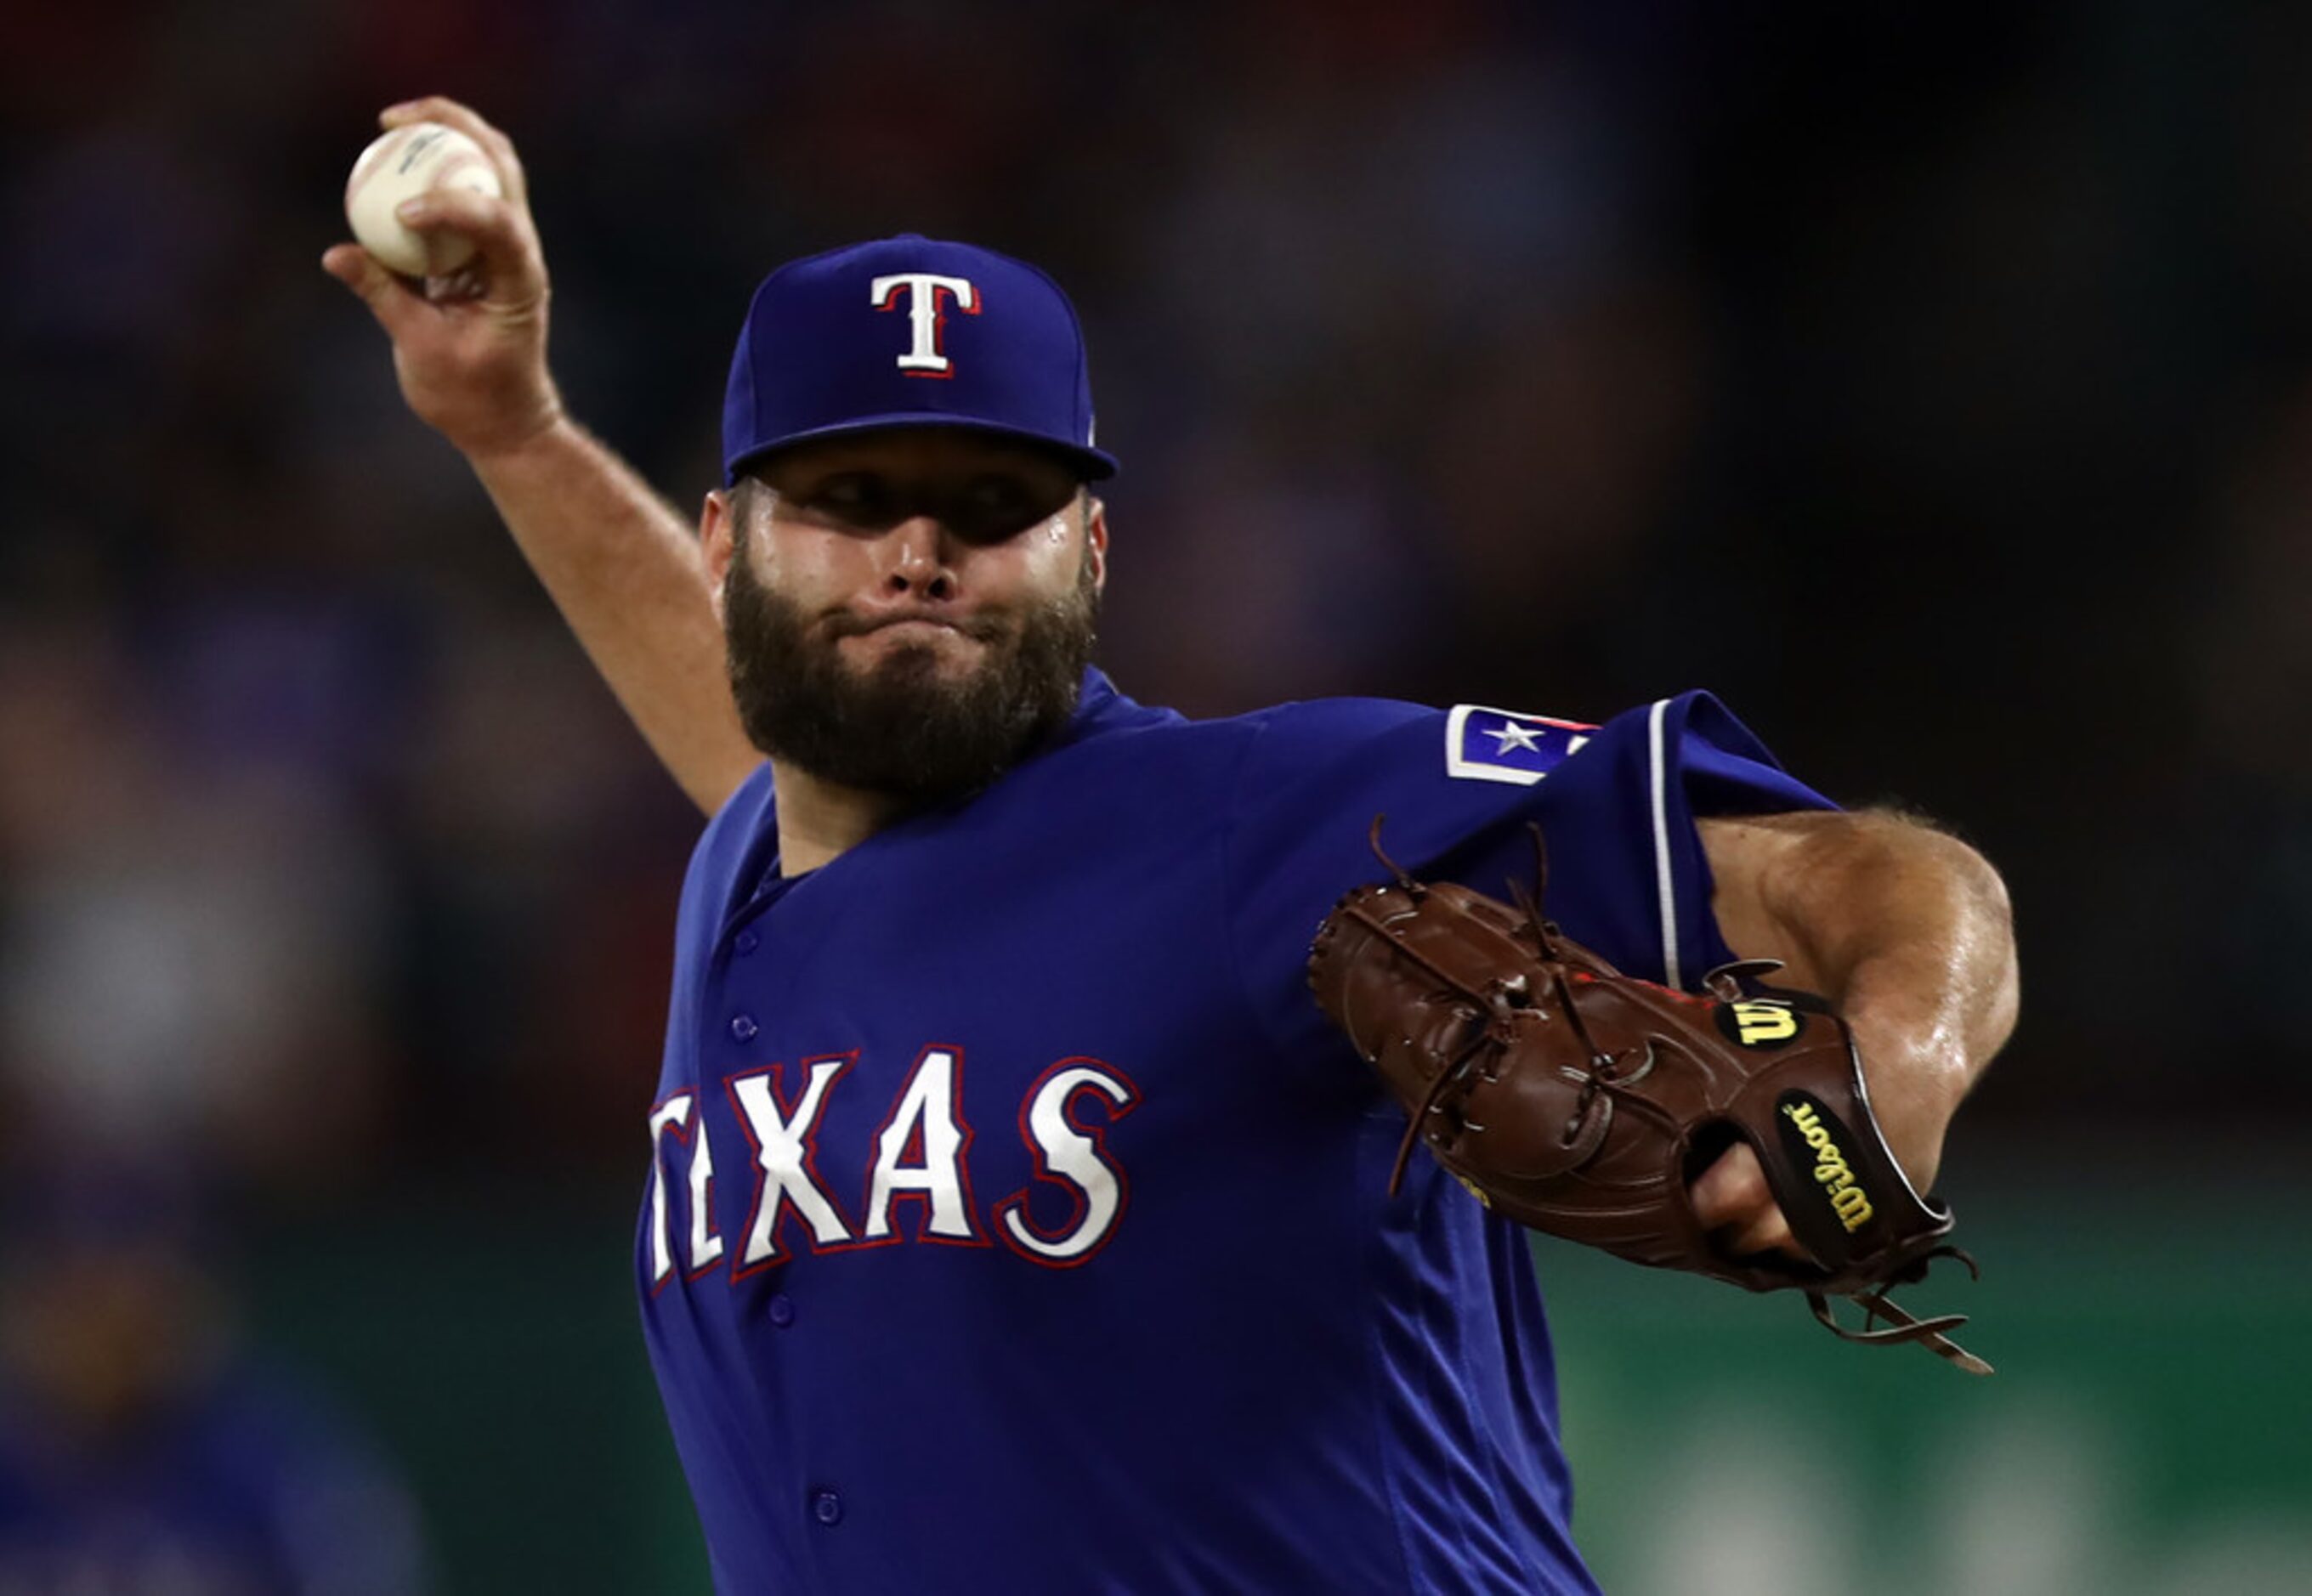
[(1907, 931), (619, 562)]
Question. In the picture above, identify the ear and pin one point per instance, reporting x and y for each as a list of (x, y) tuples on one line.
[(718, 537), (1096, 540)]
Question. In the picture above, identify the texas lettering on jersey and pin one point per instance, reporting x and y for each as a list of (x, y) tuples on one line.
[(920, 1155)]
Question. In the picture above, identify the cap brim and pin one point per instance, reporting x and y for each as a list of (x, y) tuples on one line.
[(1093, 465)]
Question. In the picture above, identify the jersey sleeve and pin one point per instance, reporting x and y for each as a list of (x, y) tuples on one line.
[(1458, 792)]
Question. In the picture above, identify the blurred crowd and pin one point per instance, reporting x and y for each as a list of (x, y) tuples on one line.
[(1936, 384), (1933, 387), (320, 849)]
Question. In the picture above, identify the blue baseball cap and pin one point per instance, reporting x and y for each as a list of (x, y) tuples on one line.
[(909, 332)]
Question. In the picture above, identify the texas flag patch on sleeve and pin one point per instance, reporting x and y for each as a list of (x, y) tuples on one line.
[(1489, 744)]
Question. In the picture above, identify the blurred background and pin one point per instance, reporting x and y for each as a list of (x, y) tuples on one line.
[(1934, 382)]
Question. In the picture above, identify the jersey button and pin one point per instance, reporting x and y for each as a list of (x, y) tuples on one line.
[(826, 1507), (781, 1310), (745, 943), (743, 1027)]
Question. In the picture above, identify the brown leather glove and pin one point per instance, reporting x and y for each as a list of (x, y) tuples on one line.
[(1579, 1101)]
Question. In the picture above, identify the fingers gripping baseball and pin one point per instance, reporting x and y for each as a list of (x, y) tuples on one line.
[(469, 347), (436, 107)]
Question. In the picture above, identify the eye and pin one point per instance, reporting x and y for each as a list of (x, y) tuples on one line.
[(998, 504), (859, 496), (996, 495)]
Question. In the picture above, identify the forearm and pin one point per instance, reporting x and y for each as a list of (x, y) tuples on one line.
[(625, 569), (1908, 933)]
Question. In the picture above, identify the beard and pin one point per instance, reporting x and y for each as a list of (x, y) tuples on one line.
[(900, 727)]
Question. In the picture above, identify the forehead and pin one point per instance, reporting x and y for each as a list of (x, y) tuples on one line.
[(915, 451)]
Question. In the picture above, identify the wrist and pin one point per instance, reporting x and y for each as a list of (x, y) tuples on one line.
[(546, 430)]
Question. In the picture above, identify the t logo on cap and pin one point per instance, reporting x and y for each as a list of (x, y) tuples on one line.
[(808, 365), (926, 315)]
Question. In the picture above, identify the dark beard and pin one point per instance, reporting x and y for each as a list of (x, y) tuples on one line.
[(902, 729)]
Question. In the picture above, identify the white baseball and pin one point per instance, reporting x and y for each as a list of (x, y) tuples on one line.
[(405, 162)]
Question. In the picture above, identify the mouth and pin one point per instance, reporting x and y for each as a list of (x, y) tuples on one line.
[(951, 645), (916, 628)]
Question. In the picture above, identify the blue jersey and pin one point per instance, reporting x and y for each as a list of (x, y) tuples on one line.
[(1017, 1223)]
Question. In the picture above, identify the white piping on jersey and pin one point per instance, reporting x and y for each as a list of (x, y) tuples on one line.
[(1665, 889)]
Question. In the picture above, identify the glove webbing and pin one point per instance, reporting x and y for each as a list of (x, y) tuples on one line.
[(1493, 1002)]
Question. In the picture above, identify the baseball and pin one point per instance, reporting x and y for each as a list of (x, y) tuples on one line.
[(405, 162)]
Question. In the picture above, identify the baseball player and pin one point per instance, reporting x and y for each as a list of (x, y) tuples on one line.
[(1015, 1220)]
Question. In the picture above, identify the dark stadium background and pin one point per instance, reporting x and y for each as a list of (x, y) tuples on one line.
[(1934, 382)]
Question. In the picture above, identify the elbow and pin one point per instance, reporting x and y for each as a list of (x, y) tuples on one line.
[(1985, 913), (1977, 909), (1997, 915)]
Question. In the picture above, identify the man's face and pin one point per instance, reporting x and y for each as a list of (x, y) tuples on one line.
[(910, 611)]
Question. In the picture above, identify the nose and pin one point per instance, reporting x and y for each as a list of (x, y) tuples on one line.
[(920, 566)]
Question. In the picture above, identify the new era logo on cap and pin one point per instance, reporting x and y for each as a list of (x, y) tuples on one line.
[(820, 355)]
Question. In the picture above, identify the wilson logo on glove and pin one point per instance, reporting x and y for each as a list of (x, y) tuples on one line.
[(1802, 1126), (1754, 1024)]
